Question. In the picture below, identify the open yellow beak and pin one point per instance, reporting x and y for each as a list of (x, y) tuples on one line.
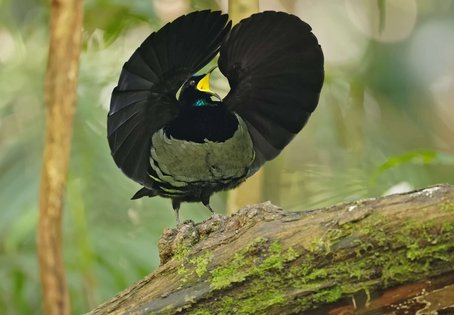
[(204, 85)]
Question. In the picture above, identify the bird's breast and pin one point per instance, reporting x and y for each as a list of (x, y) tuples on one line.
[(182, 163)]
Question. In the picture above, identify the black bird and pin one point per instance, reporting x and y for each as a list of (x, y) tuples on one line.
[(188, 147)]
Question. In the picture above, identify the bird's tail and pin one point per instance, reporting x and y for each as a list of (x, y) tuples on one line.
[(144, 192)]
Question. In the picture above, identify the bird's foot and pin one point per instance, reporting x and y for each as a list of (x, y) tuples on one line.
[(207, 204)]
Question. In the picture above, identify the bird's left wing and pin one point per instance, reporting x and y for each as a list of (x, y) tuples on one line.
[(144, 99), (274, 65)]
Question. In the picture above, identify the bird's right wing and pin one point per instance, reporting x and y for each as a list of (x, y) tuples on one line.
[(145, 97), (274, 65)]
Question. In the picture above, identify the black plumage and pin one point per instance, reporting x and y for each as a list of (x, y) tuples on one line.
[(188, 148)]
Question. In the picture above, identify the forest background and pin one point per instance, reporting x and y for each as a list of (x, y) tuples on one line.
[(385, 123)]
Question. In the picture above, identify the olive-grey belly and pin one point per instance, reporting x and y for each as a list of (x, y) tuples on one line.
[(181, 163)]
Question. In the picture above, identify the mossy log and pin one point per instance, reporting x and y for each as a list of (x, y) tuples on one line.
[(388, 255)]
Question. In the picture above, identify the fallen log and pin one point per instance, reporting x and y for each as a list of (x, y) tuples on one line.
[(387, 255)]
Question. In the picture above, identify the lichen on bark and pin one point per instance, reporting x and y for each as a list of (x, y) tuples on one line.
[(265, 260)]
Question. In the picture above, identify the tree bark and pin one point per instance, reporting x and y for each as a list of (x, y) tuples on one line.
[(388, 255), (60, 99)]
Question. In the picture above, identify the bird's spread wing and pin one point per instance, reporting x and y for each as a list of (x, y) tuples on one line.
[(144, 99), (274, 65)]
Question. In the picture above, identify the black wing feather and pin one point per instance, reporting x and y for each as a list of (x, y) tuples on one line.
[(274, 65), (144, 99)]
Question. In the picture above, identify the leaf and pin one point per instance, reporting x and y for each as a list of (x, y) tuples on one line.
[(418, 157)]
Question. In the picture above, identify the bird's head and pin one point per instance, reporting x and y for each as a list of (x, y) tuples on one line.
[(196, 91)]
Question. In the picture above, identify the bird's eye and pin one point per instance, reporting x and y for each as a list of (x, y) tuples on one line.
[(192, 83)]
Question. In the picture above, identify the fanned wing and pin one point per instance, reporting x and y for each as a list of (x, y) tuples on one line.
[(274, 65), (144, 99)]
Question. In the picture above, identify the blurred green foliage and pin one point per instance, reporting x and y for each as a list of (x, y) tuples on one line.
[(381, 122)]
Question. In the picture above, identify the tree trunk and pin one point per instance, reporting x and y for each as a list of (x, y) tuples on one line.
[(60, 98), (251, 190), (388, 255)]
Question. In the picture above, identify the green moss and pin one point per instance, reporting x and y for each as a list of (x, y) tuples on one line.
[(168, 310), (401, 256), (222, 277), (356, 271), (277, 258), (314, 275), (329, 271), (257, 302), (244, 264), (448, 227), (190, 266), (256, 298), (201, 263), (228, 304), (327, 296), (447, 206), (181, 252), (265, 289)]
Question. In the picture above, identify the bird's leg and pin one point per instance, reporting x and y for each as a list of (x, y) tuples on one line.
[(176, 207), (206, 203)]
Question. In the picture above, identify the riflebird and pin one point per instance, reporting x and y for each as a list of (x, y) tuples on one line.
[(189, 146)]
